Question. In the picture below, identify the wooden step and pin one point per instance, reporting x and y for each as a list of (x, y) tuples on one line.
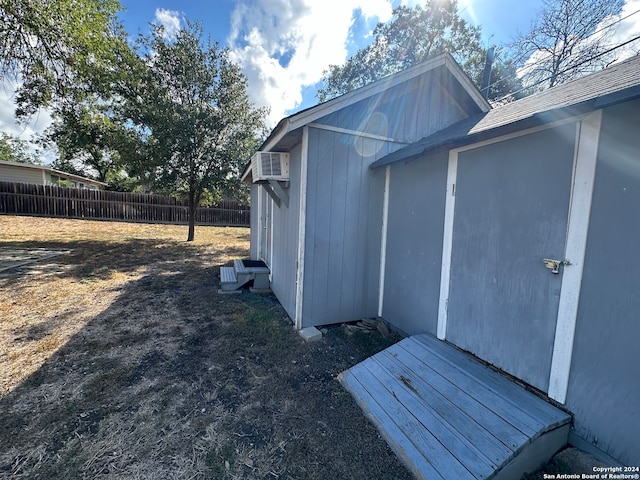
[(228, 276), (239, 267), (446, 415)]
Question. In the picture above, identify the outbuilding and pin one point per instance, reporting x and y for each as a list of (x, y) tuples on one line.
[(510, 233)]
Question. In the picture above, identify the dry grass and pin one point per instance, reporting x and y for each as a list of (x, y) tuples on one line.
[(48, 302), (120, 360)]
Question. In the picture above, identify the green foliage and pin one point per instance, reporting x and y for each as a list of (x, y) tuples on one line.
[(88, 134), (192, 111), (13, 149), (411, 36), (49, 47)]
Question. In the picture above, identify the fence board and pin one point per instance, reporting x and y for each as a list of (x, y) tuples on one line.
[(54, 201)]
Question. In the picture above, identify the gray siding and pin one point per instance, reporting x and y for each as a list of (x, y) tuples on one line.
[(9, 173), (409, 111), (604, 385), (343, 222), (414, 244), (286, 221)]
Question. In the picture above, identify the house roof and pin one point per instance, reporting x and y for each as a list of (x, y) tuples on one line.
[(617, 83), (288, 131), (54, 171)]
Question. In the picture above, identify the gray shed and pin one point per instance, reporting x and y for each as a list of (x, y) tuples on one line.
[(319, 231), (523, 223), (508, 233)]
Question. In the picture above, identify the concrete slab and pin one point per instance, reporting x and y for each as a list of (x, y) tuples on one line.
[(310, 334), (260, 290), (18, 257)]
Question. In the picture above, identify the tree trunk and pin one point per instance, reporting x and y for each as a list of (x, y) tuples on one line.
[(191, 214)]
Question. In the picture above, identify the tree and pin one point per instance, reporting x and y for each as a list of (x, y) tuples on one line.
[(13, 149), (192, 109), (90, 137), (561, 44), (47, 46), (412, 35)]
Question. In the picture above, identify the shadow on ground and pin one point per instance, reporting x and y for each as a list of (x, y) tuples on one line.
[(173, 380)]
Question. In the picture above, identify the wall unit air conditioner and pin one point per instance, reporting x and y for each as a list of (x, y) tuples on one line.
[(270, 166)]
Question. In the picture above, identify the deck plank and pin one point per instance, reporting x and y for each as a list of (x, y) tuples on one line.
[(464, 451), (472, 419), (498, 403), (227, 275), (444, 413), (446, 464), (395, 437), (518, 396)]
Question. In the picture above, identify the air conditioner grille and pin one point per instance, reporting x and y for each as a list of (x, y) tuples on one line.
[(270, 164)]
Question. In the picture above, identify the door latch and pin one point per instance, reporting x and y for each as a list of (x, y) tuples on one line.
[(554, 265)]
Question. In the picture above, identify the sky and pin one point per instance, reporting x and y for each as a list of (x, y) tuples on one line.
[(283, 46)]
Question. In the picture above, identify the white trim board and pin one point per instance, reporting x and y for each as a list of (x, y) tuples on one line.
[(447, 244), (260, 223), (577, 231), (520, 133), (383, 241), (304, 156), (270, 244), (355, 133)]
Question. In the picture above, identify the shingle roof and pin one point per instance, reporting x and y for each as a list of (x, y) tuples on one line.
[(615, 84)]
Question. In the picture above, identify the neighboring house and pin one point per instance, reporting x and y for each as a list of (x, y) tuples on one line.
[(40, 175), (511, 233)]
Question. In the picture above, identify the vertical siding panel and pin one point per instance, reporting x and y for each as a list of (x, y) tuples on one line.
[(319, 191), (338, 242), (352, 288), (414, 244)]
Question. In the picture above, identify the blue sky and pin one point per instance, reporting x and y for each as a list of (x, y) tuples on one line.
[(283, 46)]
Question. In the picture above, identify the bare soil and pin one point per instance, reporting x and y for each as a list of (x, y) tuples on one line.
[(119, 359)]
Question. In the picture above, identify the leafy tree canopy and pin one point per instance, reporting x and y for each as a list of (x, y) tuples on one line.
[(412, 35), (13, 149), (89, 135), (193, 113), (49, 46)]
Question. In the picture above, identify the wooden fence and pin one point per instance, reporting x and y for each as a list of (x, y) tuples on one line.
[(54, 201)]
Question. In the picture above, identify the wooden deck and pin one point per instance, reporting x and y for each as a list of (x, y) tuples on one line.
[(448, 416)]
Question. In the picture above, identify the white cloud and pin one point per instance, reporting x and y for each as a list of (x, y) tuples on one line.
[(628, 27), (614, 30), (25, 131), (283, 46), (170, 20)]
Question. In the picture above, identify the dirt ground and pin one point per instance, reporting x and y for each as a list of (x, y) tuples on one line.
[(119, 359)]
